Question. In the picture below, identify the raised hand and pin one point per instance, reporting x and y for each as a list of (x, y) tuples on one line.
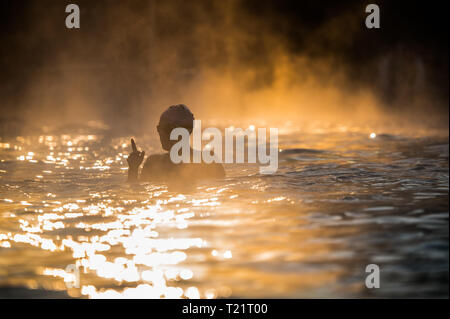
[(135, 158)]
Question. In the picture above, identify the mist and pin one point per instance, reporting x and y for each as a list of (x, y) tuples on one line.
[(228, 60)]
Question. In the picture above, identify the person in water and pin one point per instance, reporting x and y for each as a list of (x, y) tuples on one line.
[(159, 167)]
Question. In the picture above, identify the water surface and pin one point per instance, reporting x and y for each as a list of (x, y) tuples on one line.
[(339, 201)]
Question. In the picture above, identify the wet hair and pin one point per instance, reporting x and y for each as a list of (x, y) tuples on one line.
[(177, 115)]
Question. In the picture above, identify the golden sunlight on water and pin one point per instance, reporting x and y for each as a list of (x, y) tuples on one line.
[(339, 201)]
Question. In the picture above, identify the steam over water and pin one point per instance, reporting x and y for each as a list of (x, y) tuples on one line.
[(341, 199)]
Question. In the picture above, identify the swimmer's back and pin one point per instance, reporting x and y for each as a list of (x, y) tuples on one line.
[(159, 167)]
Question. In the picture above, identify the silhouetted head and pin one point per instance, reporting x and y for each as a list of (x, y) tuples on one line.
[(175, 116)]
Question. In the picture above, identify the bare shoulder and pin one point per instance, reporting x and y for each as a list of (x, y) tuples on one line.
[(156, 158), (156, 166), (160, 167)]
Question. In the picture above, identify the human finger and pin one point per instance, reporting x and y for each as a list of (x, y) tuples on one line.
[(133, 145)]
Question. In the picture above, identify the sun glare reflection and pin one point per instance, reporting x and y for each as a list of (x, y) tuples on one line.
[(112, 237)]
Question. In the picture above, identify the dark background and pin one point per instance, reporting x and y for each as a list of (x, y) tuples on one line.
[(129, 56)]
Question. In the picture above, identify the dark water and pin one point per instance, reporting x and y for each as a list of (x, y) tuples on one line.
[(338, 202)]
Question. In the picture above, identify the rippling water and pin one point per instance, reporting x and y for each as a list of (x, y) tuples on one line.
[(340, 200)]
